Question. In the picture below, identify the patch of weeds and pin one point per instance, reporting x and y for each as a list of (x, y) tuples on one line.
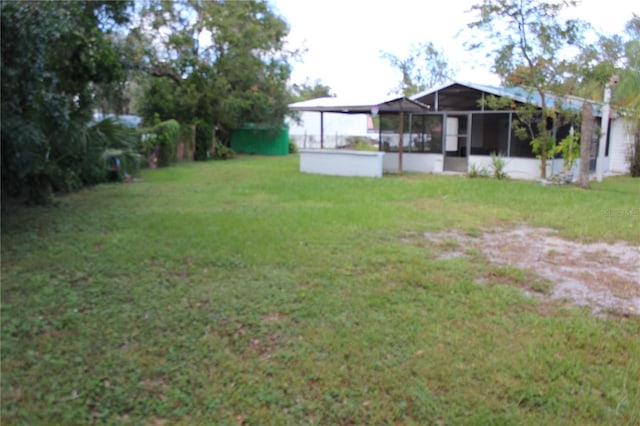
[(474, 253), (542, 286), (506, 275), (476, 171), (521, 278), (473, 232), (450, 244), (498, 165)]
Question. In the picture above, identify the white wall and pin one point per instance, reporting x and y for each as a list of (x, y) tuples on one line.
[(341, 162), (337, 127), (420, 163), (516, 168), (619, 147)]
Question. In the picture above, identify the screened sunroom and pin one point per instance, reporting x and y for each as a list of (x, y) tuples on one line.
[(448, 129)]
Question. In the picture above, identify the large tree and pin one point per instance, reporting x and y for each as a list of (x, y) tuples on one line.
[(53, 56), (614, 58), (532, 49), (310, 90), (224, 62), (424, 67)]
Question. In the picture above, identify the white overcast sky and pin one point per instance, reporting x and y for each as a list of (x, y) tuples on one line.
[(344, 38)]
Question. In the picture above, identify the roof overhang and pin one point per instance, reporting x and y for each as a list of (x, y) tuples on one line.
[(337, 105), (455, 91)]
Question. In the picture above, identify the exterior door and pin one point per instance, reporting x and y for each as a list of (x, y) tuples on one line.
[(456, 142)]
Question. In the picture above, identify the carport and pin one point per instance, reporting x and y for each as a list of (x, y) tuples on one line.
[(396, 107)]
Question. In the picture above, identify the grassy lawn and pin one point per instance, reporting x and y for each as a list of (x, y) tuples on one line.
[(244, 292)]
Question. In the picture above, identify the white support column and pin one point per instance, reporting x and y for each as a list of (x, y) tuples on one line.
[(321, 130)]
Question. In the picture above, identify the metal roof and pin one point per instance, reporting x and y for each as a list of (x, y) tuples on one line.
[(460, 93), (361, 106), (519, 94)]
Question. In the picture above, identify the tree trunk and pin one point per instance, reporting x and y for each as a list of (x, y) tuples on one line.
[(634, 154), (400, 141), (192, 143), (214, 142), (585, 144), (545, 136), (543, 159)]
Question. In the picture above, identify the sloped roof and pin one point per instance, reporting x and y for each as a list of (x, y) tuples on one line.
[(358, 106), (519, 94)]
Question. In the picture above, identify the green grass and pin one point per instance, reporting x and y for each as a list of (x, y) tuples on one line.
[(246, 292)]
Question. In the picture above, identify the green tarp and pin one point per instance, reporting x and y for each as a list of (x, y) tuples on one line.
[(251, 139)]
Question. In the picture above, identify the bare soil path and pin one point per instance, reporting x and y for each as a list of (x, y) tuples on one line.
[(602, 276)]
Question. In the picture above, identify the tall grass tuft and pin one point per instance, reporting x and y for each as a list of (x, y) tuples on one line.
[(498, 164)]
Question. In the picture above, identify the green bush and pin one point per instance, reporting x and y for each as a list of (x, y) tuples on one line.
[(360, 144), (293, 147), (477, 172), (223, 152), (65, 180), (163, 137), (101, 138), (167, 134), (129, 163), (569, 148), (498, 163), (188, 140), (204, 136)]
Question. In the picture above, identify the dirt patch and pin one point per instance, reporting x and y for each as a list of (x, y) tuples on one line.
[(267, 345), (272, 317), (604, 277)]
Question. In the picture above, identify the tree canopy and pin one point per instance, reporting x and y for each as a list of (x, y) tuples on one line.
[(53, 56), (310, 90), (532, 48), (424, 67), (220, 62), (223, 62)]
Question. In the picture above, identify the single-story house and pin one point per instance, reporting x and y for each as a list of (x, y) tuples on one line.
[(447, 129)]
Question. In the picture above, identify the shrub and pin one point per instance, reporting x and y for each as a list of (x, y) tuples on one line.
[(129, 163), (498, 163), (204, 137), (167, 134), (104, 137), (477, 172), (187, 138), (293, 147), (569, 148), (163, 139), (223, 152), (360, 144)]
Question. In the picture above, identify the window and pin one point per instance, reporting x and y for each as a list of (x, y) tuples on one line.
[(520, 143), (422, 133), (426, 134), (490, 134)]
